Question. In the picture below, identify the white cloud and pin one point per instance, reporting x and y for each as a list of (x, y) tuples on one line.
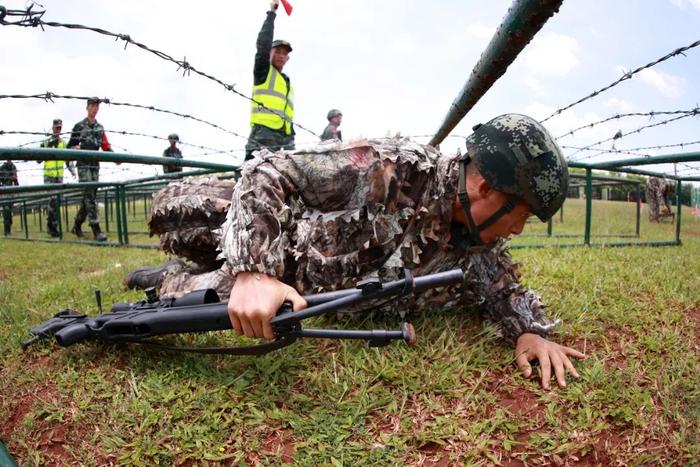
[(534, 84), (620, 105), (551, 54), (480, 32), (681, 4), (668, 85)]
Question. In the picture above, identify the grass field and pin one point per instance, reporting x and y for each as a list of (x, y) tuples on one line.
[(453, 399)]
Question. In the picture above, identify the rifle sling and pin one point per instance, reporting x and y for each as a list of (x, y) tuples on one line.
[(259, 349)]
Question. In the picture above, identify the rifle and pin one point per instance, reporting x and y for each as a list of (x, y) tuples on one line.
[(201, 311)]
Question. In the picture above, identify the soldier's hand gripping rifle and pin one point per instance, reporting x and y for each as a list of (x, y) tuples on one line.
[(201, 311)]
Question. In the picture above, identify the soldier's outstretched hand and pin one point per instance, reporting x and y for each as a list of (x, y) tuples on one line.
[(550, 355), (254, 301)]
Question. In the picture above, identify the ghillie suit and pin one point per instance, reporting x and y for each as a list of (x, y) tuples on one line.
[(658, 191), (323, 218), (187, 215)]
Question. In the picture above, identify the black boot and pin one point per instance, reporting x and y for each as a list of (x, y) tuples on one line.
[(77, 230), (152, 277), (53, 231), (99, 236)]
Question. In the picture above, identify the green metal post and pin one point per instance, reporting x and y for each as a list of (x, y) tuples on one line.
[(561, 214), (106, 210), (589, 206), (549, 227), (145, 207), (679, 190), (117, 207), (24, 218), (41, 229), (58, 216), (65, 210), (124, 207), (639, 207)]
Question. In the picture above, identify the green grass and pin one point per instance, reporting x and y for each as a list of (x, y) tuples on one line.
[(454, 398)]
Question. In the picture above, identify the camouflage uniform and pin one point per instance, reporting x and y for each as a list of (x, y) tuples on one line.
[(657, 191), (8, 177), (90, 137), (187, 214), (331, 132), (323, 218), (172, 151)]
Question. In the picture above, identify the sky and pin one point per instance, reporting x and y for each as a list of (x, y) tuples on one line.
[(390, 66)]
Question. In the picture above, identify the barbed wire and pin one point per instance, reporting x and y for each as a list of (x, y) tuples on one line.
[(651, 115), (211, 151), (620, 135), (34, 18), (633, 151), (625, 76), (49, 96), (629, 152)]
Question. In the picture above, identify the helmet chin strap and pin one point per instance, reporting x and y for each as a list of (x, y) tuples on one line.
[(473, 230)]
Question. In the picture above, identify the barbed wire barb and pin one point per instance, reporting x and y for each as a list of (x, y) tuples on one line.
[(36, 19), (626, 76)]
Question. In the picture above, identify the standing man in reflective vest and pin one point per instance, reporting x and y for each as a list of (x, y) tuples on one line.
[(271, 122), (53, 173)]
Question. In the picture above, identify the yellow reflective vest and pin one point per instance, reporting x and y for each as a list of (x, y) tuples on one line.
[(278, 100), (54, 168)]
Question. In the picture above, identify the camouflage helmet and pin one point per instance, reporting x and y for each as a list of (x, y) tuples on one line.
[(517, 156), (174, 136), (333, 113)]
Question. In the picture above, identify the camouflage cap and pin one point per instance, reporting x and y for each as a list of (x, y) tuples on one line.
[(57, 122), (174, 136), (282, 43), (516, 155), (93, 100)]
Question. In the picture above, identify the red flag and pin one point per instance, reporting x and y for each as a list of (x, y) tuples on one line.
[(287, 7)]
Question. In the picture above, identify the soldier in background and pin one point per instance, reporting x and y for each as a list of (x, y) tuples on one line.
[(53, 173), (658, 191), (89, 134), (335, 117), (174, 152), (8, 177), (321, 219)]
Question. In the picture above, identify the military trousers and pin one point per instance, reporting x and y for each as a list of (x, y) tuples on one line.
[(52, 209), (264, 137), (7, 217), (88, 205)]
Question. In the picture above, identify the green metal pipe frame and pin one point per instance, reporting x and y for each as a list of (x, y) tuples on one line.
[(523, 20), (664, 159), (121, 200), (50, 154)]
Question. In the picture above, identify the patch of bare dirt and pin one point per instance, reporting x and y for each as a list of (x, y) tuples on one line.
[(281, 445), (619, 341), (689, 233), (432, 454)]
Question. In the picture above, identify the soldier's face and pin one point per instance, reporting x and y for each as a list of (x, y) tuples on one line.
[(57, 130), (484, 202), (92, 110), (279, 56), (512, 223)]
